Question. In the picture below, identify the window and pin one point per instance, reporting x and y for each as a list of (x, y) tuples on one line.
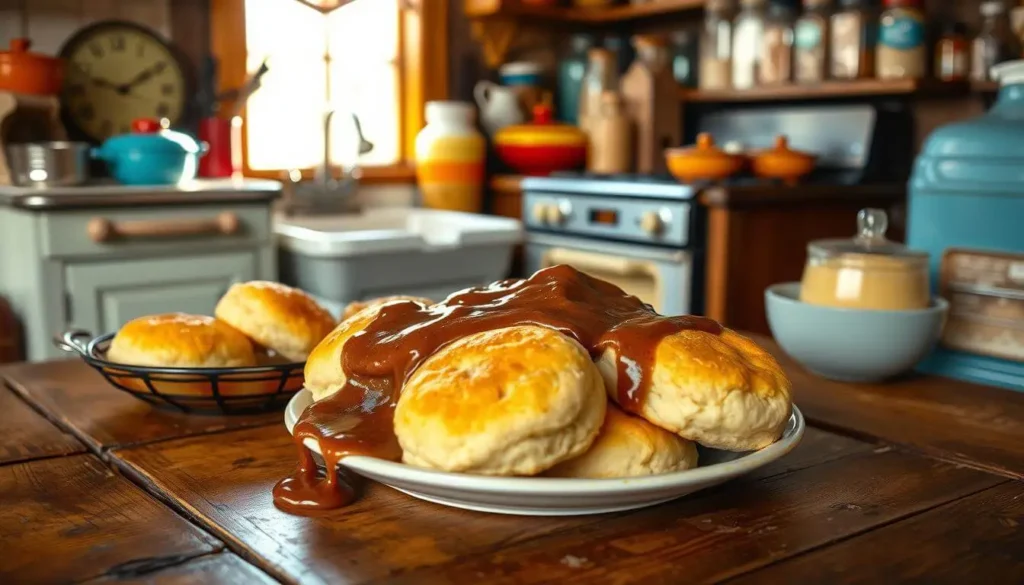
[(367, 57)]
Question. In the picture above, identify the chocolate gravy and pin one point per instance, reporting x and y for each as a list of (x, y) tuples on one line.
[(358, 419)]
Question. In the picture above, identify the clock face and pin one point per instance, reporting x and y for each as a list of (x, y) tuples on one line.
[(115, 73)]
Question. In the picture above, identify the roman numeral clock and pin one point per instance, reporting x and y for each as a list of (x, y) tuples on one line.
[(116, 72)]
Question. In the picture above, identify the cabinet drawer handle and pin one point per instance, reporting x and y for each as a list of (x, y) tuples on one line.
[(103, 230)]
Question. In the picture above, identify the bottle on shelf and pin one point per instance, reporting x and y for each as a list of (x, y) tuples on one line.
[(716, 46), (571, 70), (602, 75), (747, 42), (685, 58), (611, 148), (952, 53), (852, 43), (777, 44), (902, 50), (995, 42), (811, 42)]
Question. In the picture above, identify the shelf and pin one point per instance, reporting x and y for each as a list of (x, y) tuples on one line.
[(829, 90), (606, 15)]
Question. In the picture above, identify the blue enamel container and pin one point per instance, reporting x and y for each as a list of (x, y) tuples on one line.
[(967, 193), (151, 155)]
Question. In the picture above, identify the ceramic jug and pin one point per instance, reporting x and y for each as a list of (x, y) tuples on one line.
[(450, 158), (499, 106)]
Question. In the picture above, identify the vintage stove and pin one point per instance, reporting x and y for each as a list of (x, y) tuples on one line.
[(643, 233)]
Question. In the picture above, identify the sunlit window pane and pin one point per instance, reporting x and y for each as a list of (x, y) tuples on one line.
[(285, 117)]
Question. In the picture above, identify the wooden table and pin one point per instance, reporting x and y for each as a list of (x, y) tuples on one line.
[(918, 480)]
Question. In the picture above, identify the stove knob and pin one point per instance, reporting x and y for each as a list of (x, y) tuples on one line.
[(540, 213), (556, 215), (652, 223)]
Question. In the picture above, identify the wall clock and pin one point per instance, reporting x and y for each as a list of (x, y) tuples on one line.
[(117, 72)]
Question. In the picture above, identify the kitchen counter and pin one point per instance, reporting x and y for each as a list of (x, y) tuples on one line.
[(113, 194), (919, 479)]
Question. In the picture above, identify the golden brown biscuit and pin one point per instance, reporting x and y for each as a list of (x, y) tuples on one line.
[(629, 446), (723, 391), (357, 306), (277, 317), (323, 373), (513, 401), (178, 340)]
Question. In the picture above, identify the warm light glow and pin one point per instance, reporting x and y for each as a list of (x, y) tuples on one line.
[(285, 117)]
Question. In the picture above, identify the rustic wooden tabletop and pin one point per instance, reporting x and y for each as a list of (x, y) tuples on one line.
[(917, 480)]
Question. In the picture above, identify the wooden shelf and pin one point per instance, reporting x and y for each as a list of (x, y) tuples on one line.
[(608, 15), (829, 90)]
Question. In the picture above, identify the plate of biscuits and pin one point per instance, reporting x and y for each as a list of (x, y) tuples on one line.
[(248, 357), (557, 394)]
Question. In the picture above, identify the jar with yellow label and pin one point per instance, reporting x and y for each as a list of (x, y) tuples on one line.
[(866, 272)]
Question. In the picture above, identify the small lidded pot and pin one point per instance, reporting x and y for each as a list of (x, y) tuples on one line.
[(866, 272)]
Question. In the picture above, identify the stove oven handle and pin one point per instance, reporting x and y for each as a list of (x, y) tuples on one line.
[(589, 261)]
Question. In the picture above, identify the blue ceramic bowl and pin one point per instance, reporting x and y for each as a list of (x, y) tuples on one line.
[(163, 157), (852, 345)]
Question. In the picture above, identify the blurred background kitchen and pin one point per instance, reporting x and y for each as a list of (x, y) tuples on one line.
[(155, 151)]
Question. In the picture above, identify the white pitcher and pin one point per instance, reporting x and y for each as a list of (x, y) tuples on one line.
[(499, 106)]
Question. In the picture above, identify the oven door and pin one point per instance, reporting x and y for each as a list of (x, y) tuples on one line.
[(658, 277)]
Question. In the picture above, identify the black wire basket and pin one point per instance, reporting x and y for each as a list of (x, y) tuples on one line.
[(191, 390)]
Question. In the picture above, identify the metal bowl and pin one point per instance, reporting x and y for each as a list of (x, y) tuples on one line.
[(48, 164)]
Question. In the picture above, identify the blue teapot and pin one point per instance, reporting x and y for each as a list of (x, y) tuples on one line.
[(151, 155)]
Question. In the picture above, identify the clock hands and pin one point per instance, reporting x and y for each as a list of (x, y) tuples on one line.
[(143, 76)]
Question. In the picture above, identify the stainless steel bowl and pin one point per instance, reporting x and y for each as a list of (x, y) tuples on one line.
[(48, 164)]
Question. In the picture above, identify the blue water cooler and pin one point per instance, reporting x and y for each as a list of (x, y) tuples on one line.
[(966, 208)]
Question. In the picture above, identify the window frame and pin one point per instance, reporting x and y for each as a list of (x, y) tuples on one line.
[(422, 66)]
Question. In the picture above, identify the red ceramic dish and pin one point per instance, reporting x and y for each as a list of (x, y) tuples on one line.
[(542, 160), (543, 146)]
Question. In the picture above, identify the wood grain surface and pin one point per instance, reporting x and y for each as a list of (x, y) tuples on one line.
[(101, 416), (975, 425), (71, 519), (27, 435), (978, 539), (828, 489), (222, 568), (731, 530)]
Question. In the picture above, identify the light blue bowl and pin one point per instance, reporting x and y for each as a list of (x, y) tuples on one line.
[(852, 345)]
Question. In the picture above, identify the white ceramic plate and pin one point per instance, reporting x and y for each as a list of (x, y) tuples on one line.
[(547, 496)]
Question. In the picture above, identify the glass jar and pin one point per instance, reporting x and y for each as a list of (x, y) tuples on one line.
[(867, 272), (995, 42), (777, 44), (748, 32), (716, 46), (684, 58), (902, 51), (952, 54), (570, 77), (852, 43), (811, 35), (602, 75)]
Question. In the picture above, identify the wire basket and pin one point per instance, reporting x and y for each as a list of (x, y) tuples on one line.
[(191, 390)]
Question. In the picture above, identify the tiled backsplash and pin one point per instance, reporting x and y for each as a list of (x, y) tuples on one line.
[(48, 23)]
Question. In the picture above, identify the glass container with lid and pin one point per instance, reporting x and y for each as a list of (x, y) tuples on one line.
[(866, 272)]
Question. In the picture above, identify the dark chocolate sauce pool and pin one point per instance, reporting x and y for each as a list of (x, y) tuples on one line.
[(358, 419)]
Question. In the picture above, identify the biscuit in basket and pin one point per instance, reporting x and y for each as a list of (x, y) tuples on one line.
[(178, 340), (629, 446), (722, 391), (357, 306), (513, 401), (324, 375), (277, 317)]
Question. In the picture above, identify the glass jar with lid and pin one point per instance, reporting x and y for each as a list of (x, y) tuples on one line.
[(866, 272), (810, 53), (995, 42), (777, 43), (747, 34), (902, 51), (716, 45), (852, 44)]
